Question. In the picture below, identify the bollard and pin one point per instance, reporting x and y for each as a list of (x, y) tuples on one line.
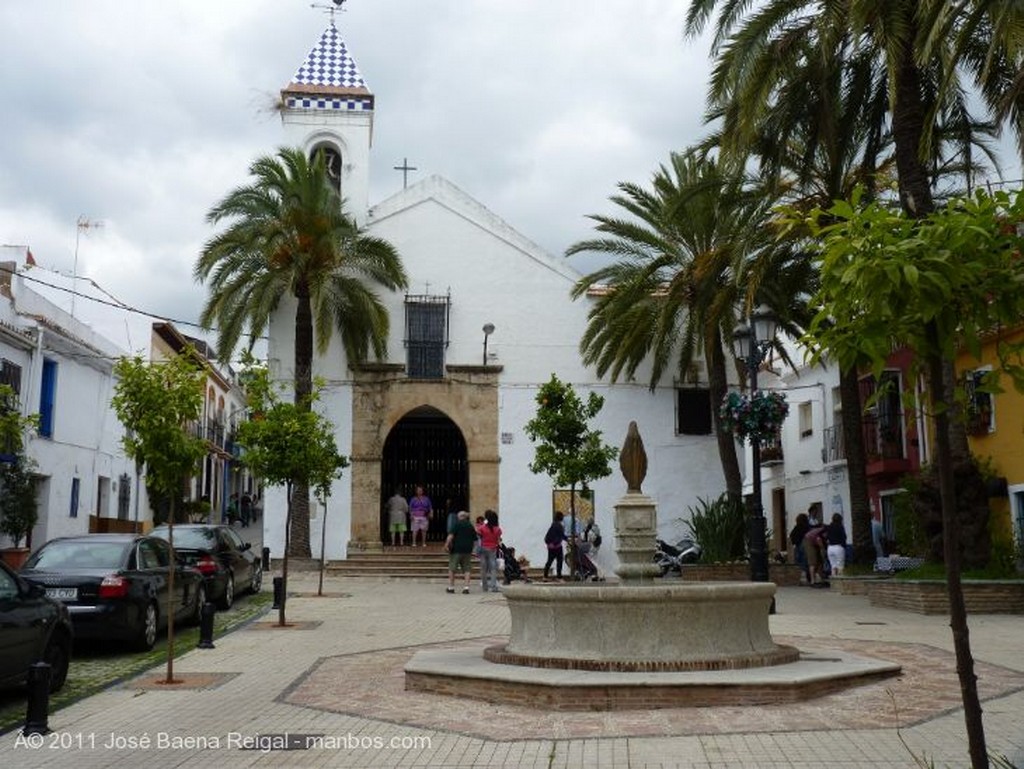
[(278, 590), (266, 559), (37, 713), (206, 626)]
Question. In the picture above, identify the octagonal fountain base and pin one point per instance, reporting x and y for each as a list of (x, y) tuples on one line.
[(612, 647)]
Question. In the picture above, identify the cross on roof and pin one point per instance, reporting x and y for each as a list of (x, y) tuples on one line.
[(331, 9), (405, 168)]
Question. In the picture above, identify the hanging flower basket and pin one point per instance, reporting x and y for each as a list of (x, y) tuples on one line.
[(757, 417)]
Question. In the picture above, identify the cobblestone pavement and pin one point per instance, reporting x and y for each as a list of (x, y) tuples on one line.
[(337, 676)]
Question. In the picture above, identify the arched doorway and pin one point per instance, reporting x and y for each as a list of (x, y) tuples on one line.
[(425, 448)]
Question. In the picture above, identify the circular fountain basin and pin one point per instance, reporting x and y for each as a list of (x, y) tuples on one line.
[(652, 627)]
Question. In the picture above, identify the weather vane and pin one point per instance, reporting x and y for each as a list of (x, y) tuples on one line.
[(339, 5)]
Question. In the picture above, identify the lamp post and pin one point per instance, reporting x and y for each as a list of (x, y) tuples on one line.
[(488, 330), (751, 342)]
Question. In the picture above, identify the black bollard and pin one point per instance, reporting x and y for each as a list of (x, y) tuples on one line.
[(278, 590), (266, 559), (206, 626), (37, 714)]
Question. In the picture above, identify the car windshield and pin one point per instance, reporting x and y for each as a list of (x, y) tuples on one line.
[(202, 538), (78, 554)]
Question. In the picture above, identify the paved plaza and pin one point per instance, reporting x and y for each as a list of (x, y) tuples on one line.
[(334, 684)]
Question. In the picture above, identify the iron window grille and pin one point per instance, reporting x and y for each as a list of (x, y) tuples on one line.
[(426, 334)]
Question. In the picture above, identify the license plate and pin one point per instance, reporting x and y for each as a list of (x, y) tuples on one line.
[(63, 593)]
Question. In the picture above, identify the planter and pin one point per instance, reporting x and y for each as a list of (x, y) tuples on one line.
[(856, 585), (928, 596), (782, 574), (14, 557)]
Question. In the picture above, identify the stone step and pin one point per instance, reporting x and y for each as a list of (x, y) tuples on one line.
[(399, 563)]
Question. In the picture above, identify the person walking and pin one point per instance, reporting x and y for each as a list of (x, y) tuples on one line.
[(553, 540), (490, 537), (459, 545), (397, 509), (835, 533), (245, 508), (796, 538), (420, 513)]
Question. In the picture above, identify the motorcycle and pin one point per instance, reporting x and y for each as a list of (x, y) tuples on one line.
[(670, 558)]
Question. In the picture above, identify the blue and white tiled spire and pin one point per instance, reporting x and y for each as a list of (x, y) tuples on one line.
[(328, 79)]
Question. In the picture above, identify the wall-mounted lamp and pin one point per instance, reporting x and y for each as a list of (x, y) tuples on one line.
[(488, 330)]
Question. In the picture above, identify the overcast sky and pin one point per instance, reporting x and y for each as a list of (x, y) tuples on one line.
[(141, 115)]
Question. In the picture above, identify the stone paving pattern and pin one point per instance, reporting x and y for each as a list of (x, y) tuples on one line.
[(342, 678)]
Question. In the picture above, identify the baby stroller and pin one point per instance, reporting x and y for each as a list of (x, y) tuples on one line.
[(585, 569), (513, 571)]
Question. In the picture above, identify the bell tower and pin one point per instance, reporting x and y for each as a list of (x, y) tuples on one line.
[(327, 106)]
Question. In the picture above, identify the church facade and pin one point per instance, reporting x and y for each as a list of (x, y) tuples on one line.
[(487, 319)]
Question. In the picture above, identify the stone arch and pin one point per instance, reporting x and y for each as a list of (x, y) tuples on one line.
[(382, 398)]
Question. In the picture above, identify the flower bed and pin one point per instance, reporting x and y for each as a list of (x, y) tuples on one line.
[(927, 596), (782, 574)]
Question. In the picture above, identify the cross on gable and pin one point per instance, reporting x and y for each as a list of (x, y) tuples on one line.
[(405, 168)]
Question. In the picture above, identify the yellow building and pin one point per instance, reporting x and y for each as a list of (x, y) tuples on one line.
[(995, 426)]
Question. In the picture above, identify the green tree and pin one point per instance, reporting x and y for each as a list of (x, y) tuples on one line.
[(931, 285), (290, 444), (19, 509), (568, 450), (289, 237), (156, 402)]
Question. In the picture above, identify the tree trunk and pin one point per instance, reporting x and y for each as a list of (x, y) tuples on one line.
[(856, 466), (299, 544), (951, 555), (718, 385)]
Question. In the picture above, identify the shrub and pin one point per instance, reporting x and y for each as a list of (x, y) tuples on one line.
[(719, 527)]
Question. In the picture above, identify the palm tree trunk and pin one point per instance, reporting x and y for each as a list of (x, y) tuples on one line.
[(299, 545), (856, 466), (718, 385)]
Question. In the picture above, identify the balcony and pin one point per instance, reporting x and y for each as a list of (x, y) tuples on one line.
[(885, 444), (771, 451)]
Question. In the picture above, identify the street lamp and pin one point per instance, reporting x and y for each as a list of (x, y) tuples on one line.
[(750, 343), (488, 330)]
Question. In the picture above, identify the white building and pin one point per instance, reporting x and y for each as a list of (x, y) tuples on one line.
[(63, 372), (807, 466), (440, 411)]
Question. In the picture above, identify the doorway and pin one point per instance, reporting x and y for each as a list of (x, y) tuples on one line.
[(425, 448)]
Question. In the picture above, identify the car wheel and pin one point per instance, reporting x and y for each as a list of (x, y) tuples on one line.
[(257, 577), (228, 598), (197, 613), (58, 657), (146, 638)]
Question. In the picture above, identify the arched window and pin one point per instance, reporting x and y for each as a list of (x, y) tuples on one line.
[(332, 158)]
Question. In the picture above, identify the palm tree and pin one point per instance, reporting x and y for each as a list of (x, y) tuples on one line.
[(288, 236), (672, 291)]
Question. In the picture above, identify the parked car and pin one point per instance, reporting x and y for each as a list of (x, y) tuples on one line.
[(228, 563), (33, 628), (115, 586)]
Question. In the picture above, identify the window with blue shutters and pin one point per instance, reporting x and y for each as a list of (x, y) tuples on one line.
[(47, 398)]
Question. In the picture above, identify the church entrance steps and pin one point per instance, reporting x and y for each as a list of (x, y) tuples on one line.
[(398, 562)]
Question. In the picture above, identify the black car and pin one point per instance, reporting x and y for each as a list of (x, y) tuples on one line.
[(116, 585), (33, 628), (228, 563)]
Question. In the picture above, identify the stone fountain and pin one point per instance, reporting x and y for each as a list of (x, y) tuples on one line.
[(643, 642)]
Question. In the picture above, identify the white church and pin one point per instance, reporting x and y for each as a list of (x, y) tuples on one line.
[(488, 317)]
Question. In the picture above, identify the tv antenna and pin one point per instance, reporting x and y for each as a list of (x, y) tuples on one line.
[(339, 6)]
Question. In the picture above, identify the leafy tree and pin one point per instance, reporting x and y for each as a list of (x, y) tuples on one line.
[(568, 451), (289, 444), (289, 237), (19, 509), (931, 285), (156, 402)]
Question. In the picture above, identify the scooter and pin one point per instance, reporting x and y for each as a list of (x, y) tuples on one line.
[(671, 558)]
